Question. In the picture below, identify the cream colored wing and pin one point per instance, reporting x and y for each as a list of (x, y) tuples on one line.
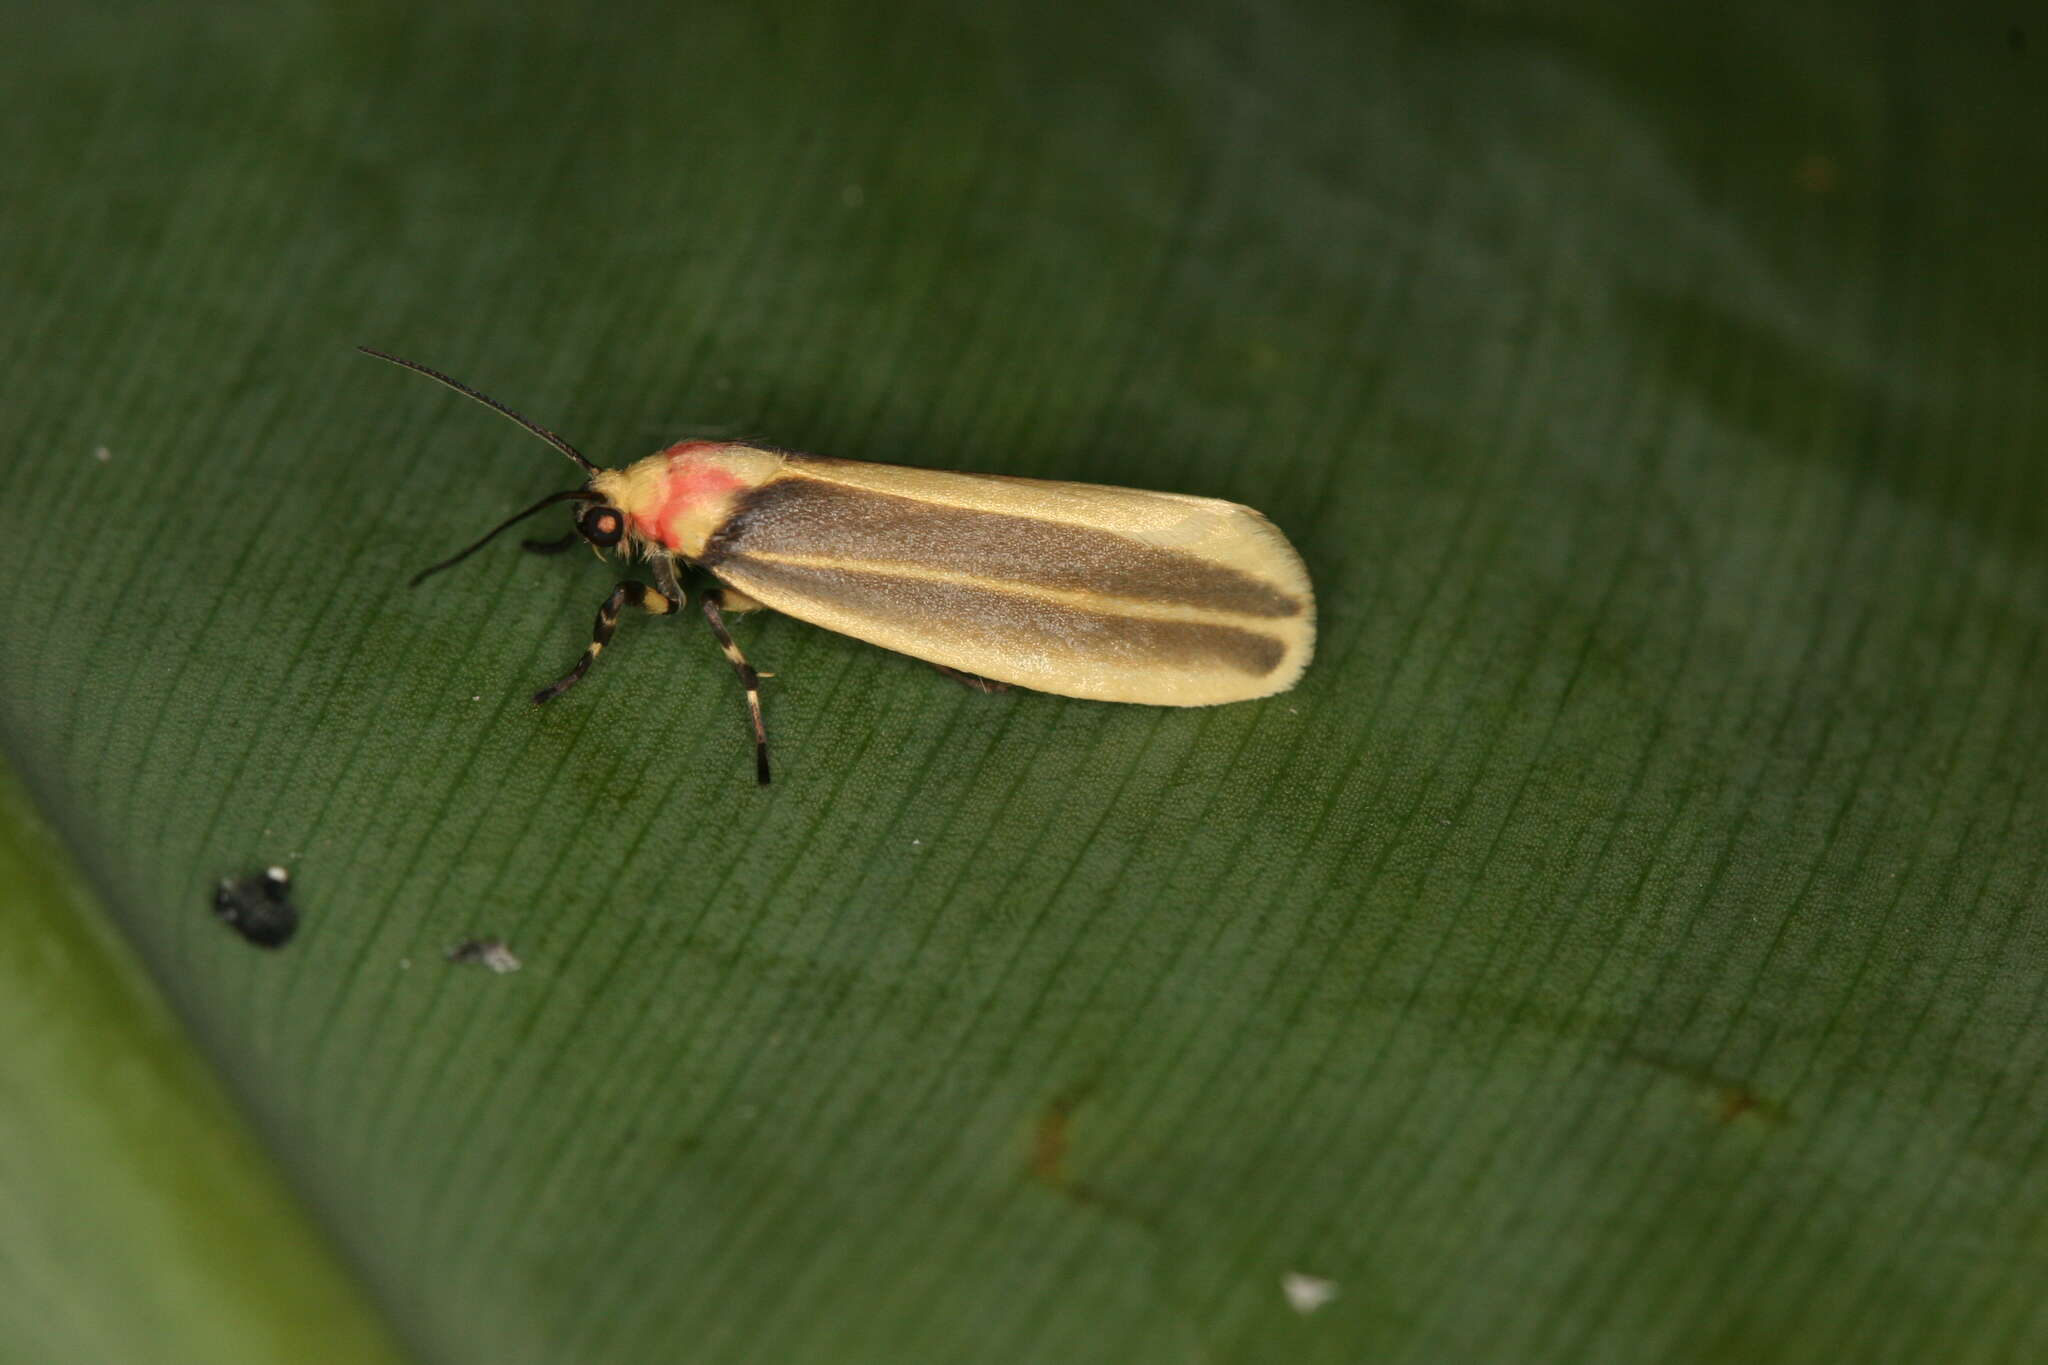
[(1109, 593)]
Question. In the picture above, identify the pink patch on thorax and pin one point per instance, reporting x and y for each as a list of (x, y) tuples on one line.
[(692, 481)]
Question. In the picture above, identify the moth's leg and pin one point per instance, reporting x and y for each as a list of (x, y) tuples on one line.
[(732, 599), (973, 680), (749, 679), (639, 595), (666, 579), (549, 547)]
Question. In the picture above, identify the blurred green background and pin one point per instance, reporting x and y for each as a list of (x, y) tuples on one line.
[(1628, 942)]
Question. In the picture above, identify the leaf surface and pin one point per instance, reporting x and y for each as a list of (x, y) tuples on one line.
[(1625, 944)]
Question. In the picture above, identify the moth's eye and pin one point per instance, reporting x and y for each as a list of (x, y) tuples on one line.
[(603, 526)]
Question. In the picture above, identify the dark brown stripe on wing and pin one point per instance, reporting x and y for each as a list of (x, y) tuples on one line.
[(1015, 621), (794, 515)]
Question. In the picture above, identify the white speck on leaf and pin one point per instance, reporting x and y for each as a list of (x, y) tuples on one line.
[(103, 454), (1306, 1293), (490, 952)]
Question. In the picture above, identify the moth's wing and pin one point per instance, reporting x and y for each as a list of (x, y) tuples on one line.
[(1110, 593)]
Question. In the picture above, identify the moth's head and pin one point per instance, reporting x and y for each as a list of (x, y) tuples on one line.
[(625, 506), (602, 524)]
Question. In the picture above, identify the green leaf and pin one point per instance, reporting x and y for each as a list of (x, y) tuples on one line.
[(1627, 943), (139, 1221)]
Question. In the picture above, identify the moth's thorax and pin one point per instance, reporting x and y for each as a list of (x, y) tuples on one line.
[(676, 498)]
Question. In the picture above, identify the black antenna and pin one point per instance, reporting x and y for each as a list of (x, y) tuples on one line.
[(573, 494), (466, 391)]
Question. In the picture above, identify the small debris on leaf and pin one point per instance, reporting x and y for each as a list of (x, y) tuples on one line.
[(489, 952), (1306, 1293), (255, 906)]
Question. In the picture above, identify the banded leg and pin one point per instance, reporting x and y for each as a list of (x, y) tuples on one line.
[(973, 680), (749, 679), (666, 578), (640, 595)]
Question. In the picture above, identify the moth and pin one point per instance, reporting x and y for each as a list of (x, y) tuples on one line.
[(1084, 590)]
